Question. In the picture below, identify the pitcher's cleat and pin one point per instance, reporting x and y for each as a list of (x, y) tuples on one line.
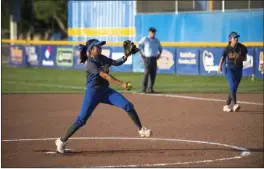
[(60, 145), (144, 132), (236, 107), (227, 108)]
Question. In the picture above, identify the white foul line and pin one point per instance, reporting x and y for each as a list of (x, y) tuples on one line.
[(200, 98), (244, 152), (158, 95)]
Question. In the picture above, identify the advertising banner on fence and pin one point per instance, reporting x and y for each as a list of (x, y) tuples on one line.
[(138, 63), (259, 68), (166, 63), (64, 57), (248, 68), (32, 55), (17, 55), (209, 60), (187, 61), (48, 54), (118, 52)]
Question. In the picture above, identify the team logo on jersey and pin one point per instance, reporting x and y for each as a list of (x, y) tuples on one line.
[(166, 60), (208, 61)]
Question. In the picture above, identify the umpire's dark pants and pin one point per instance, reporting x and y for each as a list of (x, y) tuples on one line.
[(150, 65)]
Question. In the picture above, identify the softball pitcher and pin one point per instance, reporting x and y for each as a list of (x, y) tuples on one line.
[(233, 55), (98, 90)]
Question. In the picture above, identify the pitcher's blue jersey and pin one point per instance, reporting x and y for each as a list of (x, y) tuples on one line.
[(93, 67), (229, 52)]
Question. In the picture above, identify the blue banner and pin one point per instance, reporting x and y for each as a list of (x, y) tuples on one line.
[(138, 63), (248, 68), (259, 68), (48, 55), (166, 63), (209, 60), (17, 55), (187, 61), (32, 55)]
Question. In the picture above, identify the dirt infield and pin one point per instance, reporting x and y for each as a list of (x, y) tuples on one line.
[(43, 116)]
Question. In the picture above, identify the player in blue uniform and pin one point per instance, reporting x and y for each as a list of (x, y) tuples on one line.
[(98, 90), (233, 55)]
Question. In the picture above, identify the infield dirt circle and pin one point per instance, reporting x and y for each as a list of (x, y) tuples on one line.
[(110, 139)]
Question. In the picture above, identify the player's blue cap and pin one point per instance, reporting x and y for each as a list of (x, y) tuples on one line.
[(94, 42), (233, 35)]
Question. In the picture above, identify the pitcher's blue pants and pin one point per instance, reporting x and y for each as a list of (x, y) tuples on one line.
[(233, 76), (94, 96)]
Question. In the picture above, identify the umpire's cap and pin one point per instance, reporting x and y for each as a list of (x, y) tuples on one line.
[(233, 35), (94, 42), (152, 29)]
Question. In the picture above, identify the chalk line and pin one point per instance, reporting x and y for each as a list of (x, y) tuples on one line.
[(244, 152), (200, 98)]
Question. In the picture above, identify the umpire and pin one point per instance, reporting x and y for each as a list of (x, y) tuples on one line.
[(150, 51)]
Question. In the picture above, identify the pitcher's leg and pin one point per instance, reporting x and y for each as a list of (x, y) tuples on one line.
[(232, 85), (90, 101), (112, 97), (238, 76), (229, 99), (231, 95)]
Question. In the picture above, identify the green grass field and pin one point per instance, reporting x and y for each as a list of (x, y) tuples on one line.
[(45, 80)]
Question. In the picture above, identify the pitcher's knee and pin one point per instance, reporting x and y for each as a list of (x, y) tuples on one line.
[(128, 107)]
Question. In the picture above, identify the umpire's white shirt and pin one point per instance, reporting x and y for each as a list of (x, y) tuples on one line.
[(150, 47)]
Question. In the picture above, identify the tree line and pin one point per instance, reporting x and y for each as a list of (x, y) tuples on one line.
[(39, 19)]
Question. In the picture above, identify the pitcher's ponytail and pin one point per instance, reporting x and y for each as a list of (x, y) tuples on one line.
[(83, 55)]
